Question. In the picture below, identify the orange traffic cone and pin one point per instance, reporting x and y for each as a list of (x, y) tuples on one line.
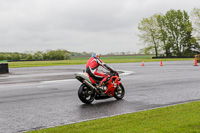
[(195, 64), (161, 63), (142, 62)]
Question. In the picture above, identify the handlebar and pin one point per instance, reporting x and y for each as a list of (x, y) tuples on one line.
[(114, 74)]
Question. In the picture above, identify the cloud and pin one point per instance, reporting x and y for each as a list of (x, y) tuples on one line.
[(78, 25)]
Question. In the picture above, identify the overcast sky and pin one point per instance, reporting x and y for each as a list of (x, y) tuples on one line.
[(101, 26)]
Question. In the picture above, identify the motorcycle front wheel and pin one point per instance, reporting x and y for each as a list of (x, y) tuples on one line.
[(119, 92), (84, 94)]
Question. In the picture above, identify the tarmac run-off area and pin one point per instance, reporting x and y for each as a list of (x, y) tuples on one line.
[(41, 97)]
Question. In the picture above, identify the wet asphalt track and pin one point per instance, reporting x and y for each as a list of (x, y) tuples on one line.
[(40, 97)]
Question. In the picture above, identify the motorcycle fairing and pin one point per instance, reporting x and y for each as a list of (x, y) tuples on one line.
[(112, 85)]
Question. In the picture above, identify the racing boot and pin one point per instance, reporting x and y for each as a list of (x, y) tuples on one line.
[(102, 86), (102, 90)]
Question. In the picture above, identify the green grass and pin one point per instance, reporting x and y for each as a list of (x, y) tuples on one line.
[(45, 63), (182, 118), (83, 60)]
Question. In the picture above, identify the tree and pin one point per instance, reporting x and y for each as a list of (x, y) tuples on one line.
[(29, 57), (149, 33), (2, 56), (195, 15), (147, 50), (57, 55), (171, 32), (179, 32), (38, 56), (165, 41), (15, 57), (67, 54)]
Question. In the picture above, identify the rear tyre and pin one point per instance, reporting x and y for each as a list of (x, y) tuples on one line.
[(119, 92), (85, 95)]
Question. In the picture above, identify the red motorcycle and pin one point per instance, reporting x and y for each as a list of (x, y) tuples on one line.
[(89, 89)]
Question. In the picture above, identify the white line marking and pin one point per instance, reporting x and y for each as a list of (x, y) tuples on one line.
[(125, 73)]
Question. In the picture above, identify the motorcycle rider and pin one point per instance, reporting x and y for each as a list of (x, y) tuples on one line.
[(92, 66)]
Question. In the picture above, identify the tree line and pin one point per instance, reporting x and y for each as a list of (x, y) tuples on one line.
[(48, 55), (172, 33)]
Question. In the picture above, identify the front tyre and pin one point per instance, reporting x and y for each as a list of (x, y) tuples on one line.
[(85, 95), (119, 92)]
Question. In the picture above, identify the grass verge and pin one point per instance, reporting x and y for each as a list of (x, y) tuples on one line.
[(182, 118), (83, 60)]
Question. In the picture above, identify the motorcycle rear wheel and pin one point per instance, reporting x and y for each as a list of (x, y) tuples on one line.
[(119, 92), (84, 96)]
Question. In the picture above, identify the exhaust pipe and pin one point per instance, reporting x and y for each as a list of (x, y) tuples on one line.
[(91, 86)]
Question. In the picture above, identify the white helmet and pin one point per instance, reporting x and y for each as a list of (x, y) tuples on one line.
[(97, 55)]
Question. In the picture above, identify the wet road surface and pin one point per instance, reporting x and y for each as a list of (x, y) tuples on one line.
[(41, 97)]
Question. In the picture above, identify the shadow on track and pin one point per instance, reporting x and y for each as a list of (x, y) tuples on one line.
[(100, 109), (102, 103)]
